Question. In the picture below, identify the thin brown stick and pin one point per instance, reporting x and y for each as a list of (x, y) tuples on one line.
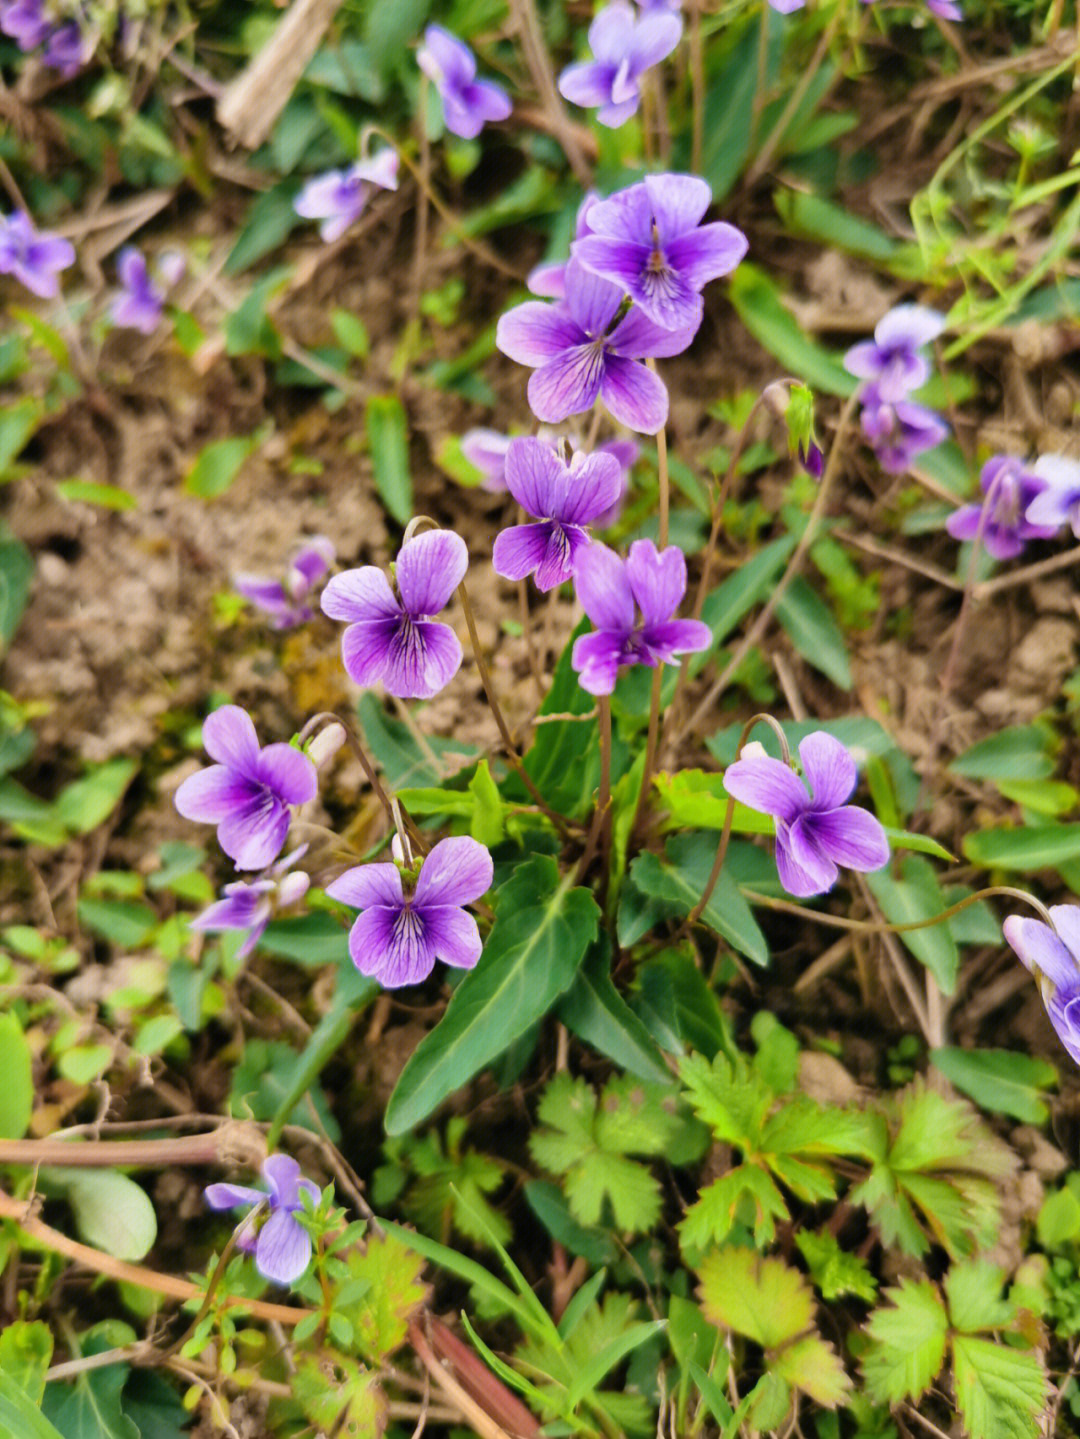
[(536, 57), (235, 1143)]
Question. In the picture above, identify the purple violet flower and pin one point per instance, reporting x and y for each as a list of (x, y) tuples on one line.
[(65, 49), (251, 907), (468, 103), (609, 588), (486, 451), (286, 603), (33, 257), (579, 358), (395, 641), (893, 360), (624, 46), (1059, 503), (25, 22), (397, 939), (565, 498), (140, 302), (815, 831), (786, 7), (247, 794), (1010, 488), (281, 1246), (899, 432), (339, 197), (1054, 960), (648, 239)]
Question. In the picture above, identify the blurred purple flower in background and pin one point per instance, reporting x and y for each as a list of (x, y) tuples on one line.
[(486, 450), (394, 641), (893, 360), (786, 7), (140, 303), (1009, 486), (281, 1246), (339, 197), (579, 358), (1059, 503), (1054, 960), (251, 906), (609, 588), (25, 22), (624, 46), (468, 103), (34, 257), (286, 602), (397, 940), (649, 240), (900, 431), (564, 498), (248, 793), (65, 48), (815, 831)]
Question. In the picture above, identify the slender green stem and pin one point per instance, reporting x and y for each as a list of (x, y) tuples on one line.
[(873, 926), (798, 95), (215, 1279), (559, 821), (369, 771)]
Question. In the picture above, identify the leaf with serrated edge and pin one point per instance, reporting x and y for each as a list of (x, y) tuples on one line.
[(339, 1395), (1000, 1392), (973, 1290), (813, 1365), (908, 1342), (380, 1316), (762, 1299)]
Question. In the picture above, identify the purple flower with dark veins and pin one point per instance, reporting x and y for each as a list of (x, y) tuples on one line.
[(624, 46), (248, 793), (580, 355), (286, 602), (1059, 503), (394, 641), (468, 103), (1054, 960), (899, 432), (34, 258), (25, 22), (249, 907), (609, 589), (649, 240), (893, 360), (339, 197), (397, 938), (281, 1245), (1010, 488), (564, 498), (815, 831)]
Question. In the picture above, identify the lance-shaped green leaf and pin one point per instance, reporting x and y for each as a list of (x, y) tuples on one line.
[(680, 880), (596, 1012), (999, 1080), (542, 929), (388, 436)]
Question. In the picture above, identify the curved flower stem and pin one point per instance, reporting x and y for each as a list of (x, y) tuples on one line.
[(215, 1279), (871, 926), (806, 539), (729, 815), (559, 821), (603, 795), (369, 771)]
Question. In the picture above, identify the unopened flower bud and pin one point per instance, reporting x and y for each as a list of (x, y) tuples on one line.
[(322, 748)]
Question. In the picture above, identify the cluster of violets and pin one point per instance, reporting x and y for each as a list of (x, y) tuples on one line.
[(892, 366), (1022, 501), (32, 25)]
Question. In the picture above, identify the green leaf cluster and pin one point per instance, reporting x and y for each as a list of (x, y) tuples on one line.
[(449, 1185)]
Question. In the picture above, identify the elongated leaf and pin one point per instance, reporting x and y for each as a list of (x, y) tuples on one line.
[(917, 895), (88, 802), (20, 1415), (681, 881), (563, 759), (16, 571), (218, 465), (17, 425), (400, 755), (17, 1090), (725, 606), (388, 436), (107, 497), (1025, 849), (814, 632), (596, 1012), (999, 1080), (773, 325), (541, 932), (1019, 752)]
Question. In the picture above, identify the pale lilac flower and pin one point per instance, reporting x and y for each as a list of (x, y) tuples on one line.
[(396, 939), (140, 303), (251, 906), (286, 602), (1054, 960), (468, 103), (893, 360), (624, 47), (648, 7), (247, 794), (609, 589), (786, 7), (65, 48), (33, 257), (900, 431), (648, 239), (281, 1245), (394, 641), (486, 450), (815, 831), (579, 358), (339, 197), (947, 9), (25, 22), (564, 498), (1010, 487), (1059, 503)]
